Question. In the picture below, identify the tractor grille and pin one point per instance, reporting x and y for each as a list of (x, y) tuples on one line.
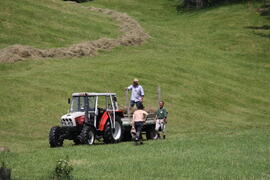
[(67, 122)]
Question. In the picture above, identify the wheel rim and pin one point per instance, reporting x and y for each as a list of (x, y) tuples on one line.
[(90, 139), (117, 131)]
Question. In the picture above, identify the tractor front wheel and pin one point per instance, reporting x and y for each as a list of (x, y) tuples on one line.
[(54, 137), (87, 135)]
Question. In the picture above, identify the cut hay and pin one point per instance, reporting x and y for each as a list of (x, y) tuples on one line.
[(132, 34)]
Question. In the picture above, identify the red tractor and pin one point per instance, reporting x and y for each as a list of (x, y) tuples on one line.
[(91, 116)]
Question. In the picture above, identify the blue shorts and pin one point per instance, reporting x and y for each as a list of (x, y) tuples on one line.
[(132, 103)]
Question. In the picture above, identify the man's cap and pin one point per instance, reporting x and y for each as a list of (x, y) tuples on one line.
[(136, 80)]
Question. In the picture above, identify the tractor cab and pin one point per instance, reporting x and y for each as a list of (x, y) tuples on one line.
[(92, 106)]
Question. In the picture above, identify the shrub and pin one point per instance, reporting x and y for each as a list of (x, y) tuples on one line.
[(5, 173), (62, 169)]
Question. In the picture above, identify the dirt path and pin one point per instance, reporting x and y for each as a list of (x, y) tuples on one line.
[(132, 34)]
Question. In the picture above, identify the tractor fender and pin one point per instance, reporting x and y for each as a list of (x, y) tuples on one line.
[(103, 121), (119, 113)]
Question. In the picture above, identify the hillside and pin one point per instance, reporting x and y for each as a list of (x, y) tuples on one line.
[(47, 24), (213, 71)]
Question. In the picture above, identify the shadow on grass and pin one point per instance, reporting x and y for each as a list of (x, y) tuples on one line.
[(78, 1), (262, 35), (264, 27)]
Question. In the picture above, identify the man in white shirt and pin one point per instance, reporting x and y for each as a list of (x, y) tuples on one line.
[(137, 93)]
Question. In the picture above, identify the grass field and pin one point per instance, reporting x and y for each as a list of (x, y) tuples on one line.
[(213, 71)]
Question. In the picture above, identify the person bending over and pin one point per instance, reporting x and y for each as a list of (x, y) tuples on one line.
[(139, 117)]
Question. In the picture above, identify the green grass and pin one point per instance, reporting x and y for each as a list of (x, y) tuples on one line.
[(49, 23), (231, 155), (213, 72)]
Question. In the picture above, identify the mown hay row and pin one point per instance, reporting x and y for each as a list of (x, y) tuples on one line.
[(132, 34)]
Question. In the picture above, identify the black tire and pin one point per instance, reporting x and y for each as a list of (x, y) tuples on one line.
[(87, 135), (113, 136), (77, 141), (54, 137), (127, 135), (151, 133)]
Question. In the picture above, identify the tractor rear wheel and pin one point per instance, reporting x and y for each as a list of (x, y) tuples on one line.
[(54, 137), (113, 135), (87, 135)]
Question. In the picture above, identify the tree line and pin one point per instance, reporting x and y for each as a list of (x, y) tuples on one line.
[(198, 4)]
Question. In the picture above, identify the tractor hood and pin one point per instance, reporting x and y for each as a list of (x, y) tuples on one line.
[(69, 119)]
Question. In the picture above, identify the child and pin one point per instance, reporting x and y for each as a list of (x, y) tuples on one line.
[(161, 119)]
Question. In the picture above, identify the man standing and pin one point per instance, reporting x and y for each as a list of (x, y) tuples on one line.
[(139, 117), (137, 93), (161, 119)]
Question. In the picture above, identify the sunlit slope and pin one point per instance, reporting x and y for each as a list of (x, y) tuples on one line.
[(212, 69), (50, 23)]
